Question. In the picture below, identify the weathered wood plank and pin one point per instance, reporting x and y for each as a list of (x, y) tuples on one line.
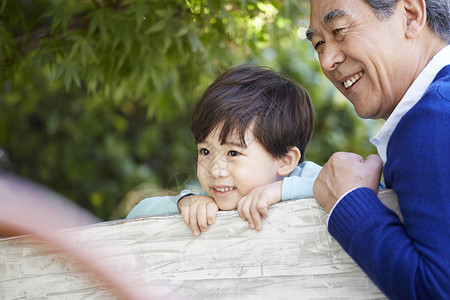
[(293, 257)]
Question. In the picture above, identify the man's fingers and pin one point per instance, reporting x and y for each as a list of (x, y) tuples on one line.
[(374, 161), (375, 166), (344, 156), (344, 172)]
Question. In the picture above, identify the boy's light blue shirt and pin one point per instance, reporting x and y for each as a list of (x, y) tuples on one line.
[(299, 184)]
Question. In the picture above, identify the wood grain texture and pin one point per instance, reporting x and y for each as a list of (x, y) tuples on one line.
[(293, 257)]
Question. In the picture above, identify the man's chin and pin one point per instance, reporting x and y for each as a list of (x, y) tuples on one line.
[(366, 114)]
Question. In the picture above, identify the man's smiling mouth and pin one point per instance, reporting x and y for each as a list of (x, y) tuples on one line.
[(349, 82)]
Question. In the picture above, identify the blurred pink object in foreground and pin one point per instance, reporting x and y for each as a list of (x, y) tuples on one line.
[(30, 209)]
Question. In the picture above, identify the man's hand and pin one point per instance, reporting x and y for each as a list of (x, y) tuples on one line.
[(254, 205), (344, 172), (198, 212)]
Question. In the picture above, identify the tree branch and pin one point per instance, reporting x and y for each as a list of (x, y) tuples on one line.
[(96, 3), (32, 40)]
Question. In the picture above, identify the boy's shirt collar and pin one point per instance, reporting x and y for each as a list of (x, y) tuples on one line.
[(412, 96)]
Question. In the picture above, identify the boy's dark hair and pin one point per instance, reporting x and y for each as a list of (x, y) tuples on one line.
[(281, 109)]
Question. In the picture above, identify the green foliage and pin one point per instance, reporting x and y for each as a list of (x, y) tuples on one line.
[(96, 96)]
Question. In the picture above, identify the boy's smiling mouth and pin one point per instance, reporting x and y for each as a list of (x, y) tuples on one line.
[(223, 189)]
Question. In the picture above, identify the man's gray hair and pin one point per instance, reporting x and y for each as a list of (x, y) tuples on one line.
[(438, 14)]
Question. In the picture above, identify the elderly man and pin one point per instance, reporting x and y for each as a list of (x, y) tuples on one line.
[(391, 59)]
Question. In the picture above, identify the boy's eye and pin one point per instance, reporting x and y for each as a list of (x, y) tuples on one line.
[(204, 151), (233, 153)]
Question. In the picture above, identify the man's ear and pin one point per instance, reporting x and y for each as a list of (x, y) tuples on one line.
[(289, 161), (415, 13)]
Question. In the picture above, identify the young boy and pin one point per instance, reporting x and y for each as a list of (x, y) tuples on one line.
[(252, 127)]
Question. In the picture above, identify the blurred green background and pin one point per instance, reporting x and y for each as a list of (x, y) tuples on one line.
[(96, 96)]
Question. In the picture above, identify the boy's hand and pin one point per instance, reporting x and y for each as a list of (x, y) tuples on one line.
[(254, 205), (198, 212)]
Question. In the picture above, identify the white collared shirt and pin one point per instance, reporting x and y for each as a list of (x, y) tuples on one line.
[(412, 96)]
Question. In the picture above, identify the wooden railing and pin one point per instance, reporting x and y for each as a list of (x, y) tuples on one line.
[(293, 257)]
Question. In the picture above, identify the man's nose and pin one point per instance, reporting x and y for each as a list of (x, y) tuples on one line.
[(331, 57)]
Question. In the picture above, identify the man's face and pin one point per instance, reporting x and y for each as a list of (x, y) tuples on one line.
[(365, 57)]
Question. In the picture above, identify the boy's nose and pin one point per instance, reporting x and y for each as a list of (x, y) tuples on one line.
[(219, 168)]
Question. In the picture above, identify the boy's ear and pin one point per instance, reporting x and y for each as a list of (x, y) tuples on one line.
[(289, 161)]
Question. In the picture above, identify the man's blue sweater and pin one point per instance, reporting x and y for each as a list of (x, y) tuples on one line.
[(410, 260)]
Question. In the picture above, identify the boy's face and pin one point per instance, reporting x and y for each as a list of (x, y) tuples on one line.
[(228, 172)]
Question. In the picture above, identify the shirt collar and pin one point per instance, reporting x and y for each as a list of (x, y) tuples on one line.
[(412, 96)]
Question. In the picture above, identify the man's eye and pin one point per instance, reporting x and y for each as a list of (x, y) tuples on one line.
[(339, 31), (204, 151), (233, 153), (318, 44)]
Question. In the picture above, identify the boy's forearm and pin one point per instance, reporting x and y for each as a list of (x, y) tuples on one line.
[(296, 188)]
